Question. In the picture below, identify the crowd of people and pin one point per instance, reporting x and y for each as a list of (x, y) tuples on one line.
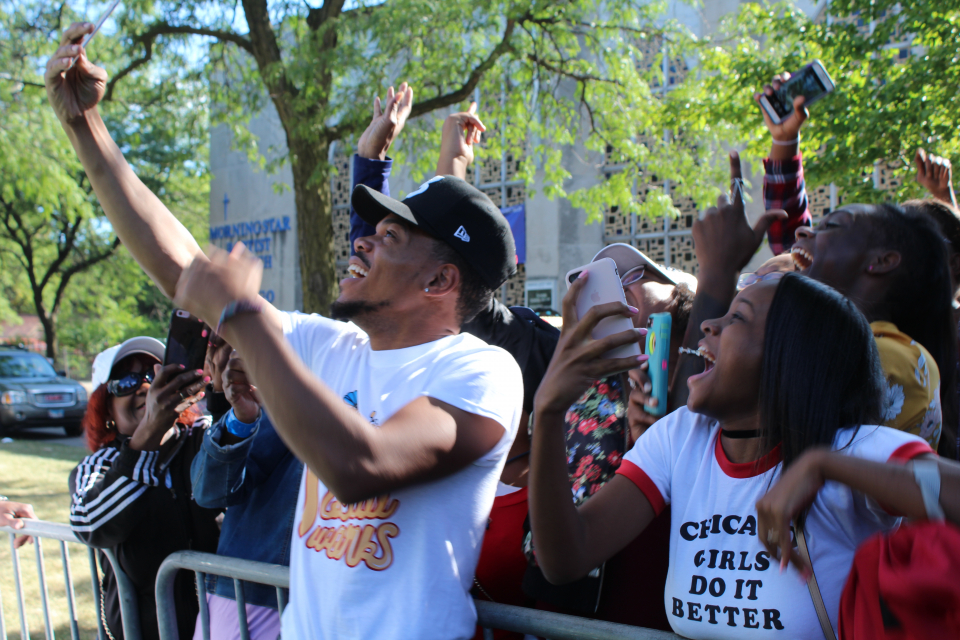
[(426, 445)]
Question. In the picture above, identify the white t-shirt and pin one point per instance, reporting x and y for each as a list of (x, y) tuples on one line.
[(398, 566), (722, 583)]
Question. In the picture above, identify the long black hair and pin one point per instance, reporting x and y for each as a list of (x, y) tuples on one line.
[(920, 298), (821, 369)]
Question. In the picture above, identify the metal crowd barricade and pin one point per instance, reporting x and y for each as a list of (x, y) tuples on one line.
[(40, 531), (489, 615)]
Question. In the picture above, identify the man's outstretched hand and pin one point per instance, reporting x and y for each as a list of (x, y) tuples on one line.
[(387, 123), (207, 285), (935, 174), (460, 132), (73, 91)]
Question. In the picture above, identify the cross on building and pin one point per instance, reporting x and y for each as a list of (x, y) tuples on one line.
[(226, 201)]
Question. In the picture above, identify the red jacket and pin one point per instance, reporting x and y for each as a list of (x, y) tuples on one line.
[(904, 586)]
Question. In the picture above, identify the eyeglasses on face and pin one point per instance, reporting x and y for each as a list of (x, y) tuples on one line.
[(129, 383), (633, 275), (747, 279)]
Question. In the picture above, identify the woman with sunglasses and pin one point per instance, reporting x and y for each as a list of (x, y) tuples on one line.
[(133, 493)]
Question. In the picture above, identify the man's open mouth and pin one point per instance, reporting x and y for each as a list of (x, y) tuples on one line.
[(801, 257), (355, 270)]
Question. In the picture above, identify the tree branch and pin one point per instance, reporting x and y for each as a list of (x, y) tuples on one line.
[(69, 232), (579, 77), (266, 52), (148, 37), (77, 268), (330, 9), (340, 131), (473, 79)]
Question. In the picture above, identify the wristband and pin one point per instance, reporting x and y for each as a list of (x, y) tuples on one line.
[(927, 475), (237, 428), (235, 308), (787, 143)]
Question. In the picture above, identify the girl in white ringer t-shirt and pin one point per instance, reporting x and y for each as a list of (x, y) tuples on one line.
[(775, 431)]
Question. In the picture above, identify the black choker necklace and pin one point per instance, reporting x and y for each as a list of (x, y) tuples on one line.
[(741, 435)]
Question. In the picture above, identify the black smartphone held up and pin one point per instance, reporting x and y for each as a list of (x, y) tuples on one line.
[(186, 341), (812, 82)]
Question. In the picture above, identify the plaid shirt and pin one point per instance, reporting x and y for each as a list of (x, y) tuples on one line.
[(784, 188)]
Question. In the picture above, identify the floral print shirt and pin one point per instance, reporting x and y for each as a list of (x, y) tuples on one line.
[(912, 401), (596, 436)]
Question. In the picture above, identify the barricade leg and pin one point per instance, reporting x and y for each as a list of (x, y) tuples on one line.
[(241, 609), (3, 628), (44, 599), (18, 581), (204, 609), (71, 595), (97, 599)]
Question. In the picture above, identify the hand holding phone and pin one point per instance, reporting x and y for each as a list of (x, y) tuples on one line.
[(658, 350), (103, 18), (812, 82), (186, 341), (603, 286)]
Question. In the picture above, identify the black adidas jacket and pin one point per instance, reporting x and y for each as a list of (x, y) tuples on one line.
[(140, 505)]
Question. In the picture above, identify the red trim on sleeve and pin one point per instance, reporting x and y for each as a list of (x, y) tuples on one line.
[(639, 477), (909, 451), (510, 499), (747, 469)]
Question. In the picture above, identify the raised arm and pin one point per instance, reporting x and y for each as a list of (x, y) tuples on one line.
[(935, 174), (371, 166), (460, 132), (571, 541), (146, 227), (783, 184), (724, 243), (156, 239)]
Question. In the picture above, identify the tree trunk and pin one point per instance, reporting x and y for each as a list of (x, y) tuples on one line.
[(49, 334), (311, 186)]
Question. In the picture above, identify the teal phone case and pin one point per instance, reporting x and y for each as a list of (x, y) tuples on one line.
[(658, 348)]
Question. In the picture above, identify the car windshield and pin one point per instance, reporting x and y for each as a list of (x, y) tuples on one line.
[(25, 366)]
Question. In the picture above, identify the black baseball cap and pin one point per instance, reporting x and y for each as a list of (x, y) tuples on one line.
[(455, 212)]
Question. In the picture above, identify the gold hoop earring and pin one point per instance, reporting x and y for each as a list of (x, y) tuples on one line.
[(111, 425)]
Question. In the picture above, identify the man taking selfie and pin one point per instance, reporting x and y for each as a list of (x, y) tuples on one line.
[(402, 422)]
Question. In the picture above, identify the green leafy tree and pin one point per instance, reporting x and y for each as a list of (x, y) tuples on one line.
[(895, 66), (551, 76)]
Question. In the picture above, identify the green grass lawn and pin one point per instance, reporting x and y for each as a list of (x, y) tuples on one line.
[(36, 472)]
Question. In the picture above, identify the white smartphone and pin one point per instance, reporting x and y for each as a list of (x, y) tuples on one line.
[(103, 18), (812, 82), (603, 286)]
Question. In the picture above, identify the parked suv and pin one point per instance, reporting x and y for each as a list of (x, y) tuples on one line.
[(33, 394)]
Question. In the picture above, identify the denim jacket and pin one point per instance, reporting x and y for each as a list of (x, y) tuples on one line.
[(258, 480)]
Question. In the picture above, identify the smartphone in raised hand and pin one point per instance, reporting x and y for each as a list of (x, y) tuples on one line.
[(103, 18), (186, 341), (812, 82), (658, 350), (603, 286)]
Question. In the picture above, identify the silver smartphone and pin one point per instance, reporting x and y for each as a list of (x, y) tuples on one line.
[(812, 82), (604, 286), (103, 18)]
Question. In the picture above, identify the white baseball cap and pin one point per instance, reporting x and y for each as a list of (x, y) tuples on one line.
[(628, 257), (103, 363)]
